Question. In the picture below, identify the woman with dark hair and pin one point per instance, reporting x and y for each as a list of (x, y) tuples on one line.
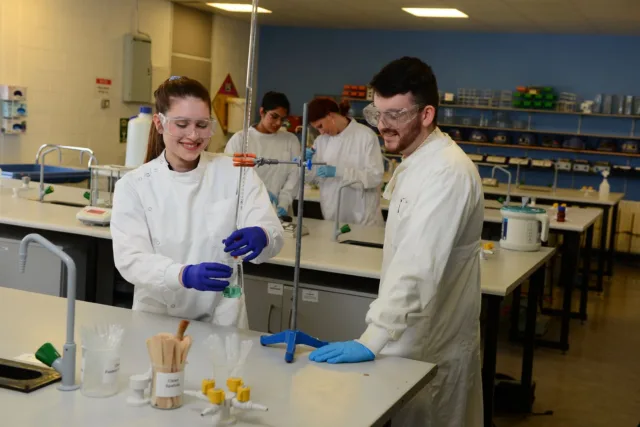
[(265, 140), (173, 218), (352, 153)]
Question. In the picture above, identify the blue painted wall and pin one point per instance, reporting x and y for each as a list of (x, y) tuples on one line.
[(304, 62)]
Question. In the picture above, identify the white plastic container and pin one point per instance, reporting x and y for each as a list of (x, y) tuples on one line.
[(138, 137), (523, 228), (605, 188)]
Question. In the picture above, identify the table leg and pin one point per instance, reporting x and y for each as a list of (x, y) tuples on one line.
[(489, 356), (536, 284), (515, 314), (570, 256), (612, 239), (105, 272), (602, 253), (586, 271)]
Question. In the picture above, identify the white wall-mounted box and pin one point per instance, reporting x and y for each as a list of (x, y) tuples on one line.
[(13, 93), (13, 126), (136, 76)]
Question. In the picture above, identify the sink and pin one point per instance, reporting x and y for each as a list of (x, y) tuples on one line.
[(24, 377), (365, 244), (58, 202)]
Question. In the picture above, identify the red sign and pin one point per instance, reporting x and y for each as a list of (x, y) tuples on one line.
[(100, 81), (228, 88)]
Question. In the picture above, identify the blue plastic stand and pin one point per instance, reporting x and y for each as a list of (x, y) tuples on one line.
[(291, 339)]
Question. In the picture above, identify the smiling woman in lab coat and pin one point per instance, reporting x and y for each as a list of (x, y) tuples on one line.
[(173, 218), (352, 153), (266, 140)]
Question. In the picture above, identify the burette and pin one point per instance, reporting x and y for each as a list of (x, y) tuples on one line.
[(245, 141)]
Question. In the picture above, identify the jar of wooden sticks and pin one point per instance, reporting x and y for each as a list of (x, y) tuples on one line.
[(168, 354)]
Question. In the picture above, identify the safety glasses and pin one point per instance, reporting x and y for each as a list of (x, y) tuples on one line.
[(181, 127), (390, 118)]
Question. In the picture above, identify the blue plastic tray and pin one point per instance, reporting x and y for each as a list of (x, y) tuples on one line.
[(52, 174)]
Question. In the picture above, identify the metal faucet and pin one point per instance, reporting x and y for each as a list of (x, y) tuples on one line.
[(337, 231), (66, 365), (92, 161), (42, 155), (493, 172), (555, 176)]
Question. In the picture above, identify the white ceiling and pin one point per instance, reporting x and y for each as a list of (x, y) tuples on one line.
[(539, 16)]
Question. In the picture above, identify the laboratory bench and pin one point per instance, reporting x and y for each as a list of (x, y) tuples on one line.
[(302, 393)]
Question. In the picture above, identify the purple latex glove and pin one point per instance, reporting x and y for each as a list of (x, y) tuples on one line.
[(249, 240)]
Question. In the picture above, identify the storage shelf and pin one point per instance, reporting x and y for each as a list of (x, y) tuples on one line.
[(550, 132), (527, 110), (537, 147)]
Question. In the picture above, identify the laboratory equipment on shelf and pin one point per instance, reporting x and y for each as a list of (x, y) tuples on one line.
[(344, 229), (100, 359), (521, 230), (493, 173), (47, 354)]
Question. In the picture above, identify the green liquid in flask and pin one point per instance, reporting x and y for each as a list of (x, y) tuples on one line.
[(234, 290)]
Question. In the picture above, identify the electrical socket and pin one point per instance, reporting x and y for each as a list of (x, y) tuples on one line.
[(105, 103)]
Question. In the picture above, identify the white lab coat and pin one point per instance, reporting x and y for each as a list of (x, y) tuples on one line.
[(163, 220), (428, 305), (356, 154), (281, 180)]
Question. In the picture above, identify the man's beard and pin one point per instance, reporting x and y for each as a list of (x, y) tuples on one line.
[(406, 139)]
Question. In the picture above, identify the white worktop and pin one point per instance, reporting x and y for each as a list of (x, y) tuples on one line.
[(319, 251), (302, 393), (576, 219), (561, 195)]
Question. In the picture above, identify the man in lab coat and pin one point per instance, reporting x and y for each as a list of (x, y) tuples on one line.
[(428, 304)]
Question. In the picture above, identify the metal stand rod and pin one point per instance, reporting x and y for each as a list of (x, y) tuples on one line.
[(296, 271)]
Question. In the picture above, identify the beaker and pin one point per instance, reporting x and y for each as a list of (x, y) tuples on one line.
[(100, 372), (236, 281), (167, 386)]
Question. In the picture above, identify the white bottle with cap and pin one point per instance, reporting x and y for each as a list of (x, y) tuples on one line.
[(138, 136), (603, 191)]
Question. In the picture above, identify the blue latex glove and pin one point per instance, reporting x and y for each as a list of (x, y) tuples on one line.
[(273, 198), (309, 152), (245, 240), (326, 171), (202, 277), (342, 352), (281, 211)]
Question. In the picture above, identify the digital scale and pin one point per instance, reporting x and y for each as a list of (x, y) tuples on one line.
[(564, 164), (580, 165), (542, 163), (476, 157), (499, 160), (519, 161), (490, 182), (91, 215)]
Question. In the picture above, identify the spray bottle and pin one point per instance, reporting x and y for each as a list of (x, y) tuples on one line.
[(603, 191)]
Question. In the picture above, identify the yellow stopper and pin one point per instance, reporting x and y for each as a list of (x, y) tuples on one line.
[(488, 246), (555, 206), (233, 384), (216, 396), (244, 394), (564, 205), (208, 385)]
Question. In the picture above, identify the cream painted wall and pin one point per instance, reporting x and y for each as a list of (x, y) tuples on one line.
[(57, 49), (230, 50)]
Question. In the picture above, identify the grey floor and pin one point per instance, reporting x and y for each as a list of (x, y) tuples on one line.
[(597, 383)]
